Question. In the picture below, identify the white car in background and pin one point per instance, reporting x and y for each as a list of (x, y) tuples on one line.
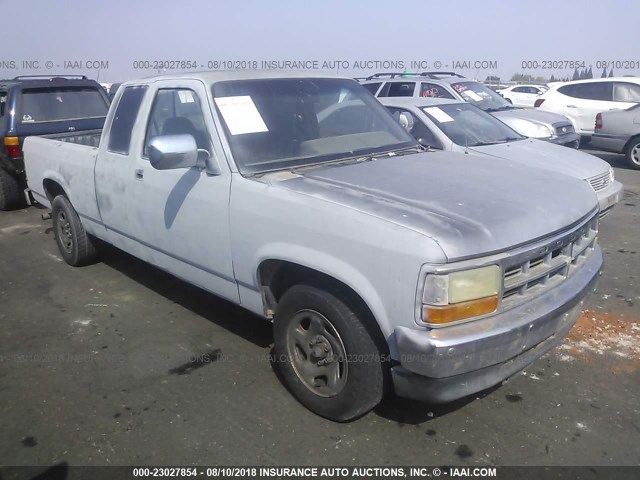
[(523, 95), (582, 100), (451, 125)]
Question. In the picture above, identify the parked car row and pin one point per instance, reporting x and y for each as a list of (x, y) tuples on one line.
[(451, 125), (546, 126), (592, 104), (382, 263), (618, 131), (522, 95)]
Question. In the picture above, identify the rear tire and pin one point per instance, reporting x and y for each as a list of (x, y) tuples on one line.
[(632, 153), (75, 245), (326, 355), (10, 191)]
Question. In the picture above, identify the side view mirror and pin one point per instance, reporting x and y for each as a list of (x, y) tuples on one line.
[(167, 152), (406, 121)]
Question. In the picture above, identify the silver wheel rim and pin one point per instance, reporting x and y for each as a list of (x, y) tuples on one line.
[(635, 154), (64, 232), (316, 353)]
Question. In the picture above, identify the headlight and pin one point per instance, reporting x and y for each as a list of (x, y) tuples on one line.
[(460, 295), (612, 175), (531, 129)]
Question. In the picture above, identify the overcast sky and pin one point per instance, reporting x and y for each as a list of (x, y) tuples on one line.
[(47, 33)]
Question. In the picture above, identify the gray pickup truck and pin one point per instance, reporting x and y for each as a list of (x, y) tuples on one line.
[(381, 265)]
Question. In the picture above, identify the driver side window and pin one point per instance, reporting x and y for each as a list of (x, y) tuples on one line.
[(177, 111)]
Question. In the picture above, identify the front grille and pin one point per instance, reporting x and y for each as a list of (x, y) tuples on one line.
[(600, 182), (548, 265), (563, 128)]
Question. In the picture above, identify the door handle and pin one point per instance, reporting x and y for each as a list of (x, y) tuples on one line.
[(571, 106), (139, 173)]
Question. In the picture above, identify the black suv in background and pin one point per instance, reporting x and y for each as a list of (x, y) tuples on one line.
[(42, 105)]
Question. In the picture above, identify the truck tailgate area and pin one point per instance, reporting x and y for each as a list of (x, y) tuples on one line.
[(66, 162)]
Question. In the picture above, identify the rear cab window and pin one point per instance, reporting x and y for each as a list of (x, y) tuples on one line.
[(58, 104)]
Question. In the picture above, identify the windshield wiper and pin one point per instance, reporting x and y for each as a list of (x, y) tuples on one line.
[(499, 109), (484, 144), (513, 139)]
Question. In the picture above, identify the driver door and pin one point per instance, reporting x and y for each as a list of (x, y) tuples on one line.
[(178, 219)]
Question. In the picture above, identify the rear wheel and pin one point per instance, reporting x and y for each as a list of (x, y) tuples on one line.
[(10, 191), (325, 353), (75, 245), (632, 153)]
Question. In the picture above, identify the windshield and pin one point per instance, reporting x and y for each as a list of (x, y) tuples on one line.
[(469, 126), (273, 124), (59, 104), (481, 96)]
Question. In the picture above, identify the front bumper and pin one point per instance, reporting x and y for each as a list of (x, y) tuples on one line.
[(442, 365), (609, 196), (571, 140)]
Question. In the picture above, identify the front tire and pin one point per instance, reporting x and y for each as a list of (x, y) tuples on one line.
[(325, 353), (75, 245), (10, 191), (632, 153)]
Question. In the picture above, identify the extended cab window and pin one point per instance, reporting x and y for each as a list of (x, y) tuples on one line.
[(124, 119), (177, 111), (61, 103)]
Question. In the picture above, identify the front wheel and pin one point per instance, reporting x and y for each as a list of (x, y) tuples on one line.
[(326, 355), (75, 245), (632, 153)]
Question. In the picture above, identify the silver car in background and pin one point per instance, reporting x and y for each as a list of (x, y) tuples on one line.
[(618, 131), (547, 126), (451, 125)]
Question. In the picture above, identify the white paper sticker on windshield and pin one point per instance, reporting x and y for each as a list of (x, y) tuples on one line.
[(186, 96), (438, 114), (472, 95), (241, 115)]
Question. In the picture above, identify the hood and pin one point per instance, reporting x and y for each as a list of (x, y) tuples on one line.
[(470, 206), (559, 159), (531, 114)]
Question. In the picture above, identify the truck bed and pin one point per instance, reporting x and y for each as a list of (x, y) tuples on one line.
[(90, 138), (68, 159)]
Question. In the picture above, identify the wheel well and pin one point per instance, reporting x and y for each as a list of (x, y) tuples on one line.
[(53, 189), (277, 276), (630, 142)]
